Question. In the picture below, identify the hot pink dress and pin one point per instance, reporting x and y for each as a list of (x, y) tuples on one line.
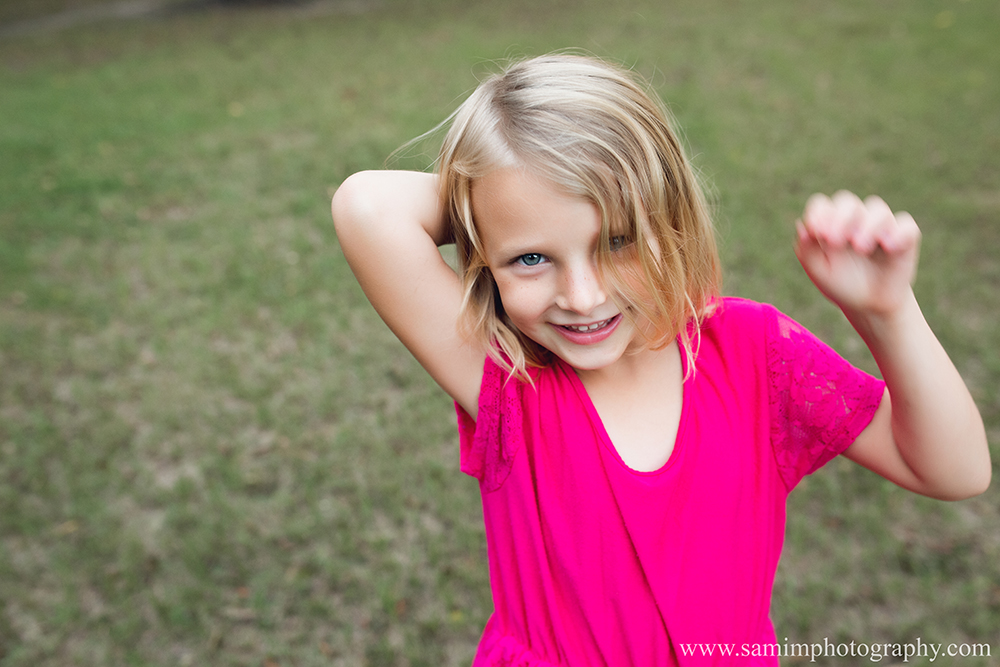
[(593, 563)]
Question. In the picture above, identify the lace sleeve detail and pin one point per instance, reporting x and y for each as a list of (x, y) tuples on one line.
[(819, 403), (490, 442)]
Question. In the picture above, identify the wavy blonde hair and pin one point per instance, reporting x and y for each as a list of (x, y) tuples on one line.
[(592, 130)]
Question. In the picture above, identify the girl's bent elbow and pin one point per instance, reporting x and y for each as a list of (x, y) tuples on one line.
[(983, 483), (974, 486), (347, 202)]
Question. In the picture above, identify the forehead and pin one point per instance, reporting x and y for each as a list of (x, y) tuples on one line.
[(517, 211)]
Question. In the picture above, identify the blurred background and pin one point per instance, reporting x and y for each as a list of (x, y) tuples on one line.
[(213, 452)]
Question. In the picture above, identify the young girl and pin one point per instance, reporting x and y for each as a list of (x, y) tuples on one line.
[(635, 435)]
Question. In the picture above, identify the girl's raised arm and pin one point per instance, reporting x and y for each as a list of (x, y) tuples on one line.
[(389, 224), (927, 435)]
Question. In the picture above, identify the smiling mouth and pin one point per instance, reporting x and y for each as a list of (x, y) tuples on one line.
[(588, 328), (589, 334)]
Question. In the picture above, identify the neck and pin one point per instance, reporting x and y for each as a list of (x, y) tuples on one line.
[(633, 369)]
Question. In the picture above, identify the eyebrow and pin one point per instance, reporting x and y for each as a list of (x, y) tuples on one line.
[(511, 249)]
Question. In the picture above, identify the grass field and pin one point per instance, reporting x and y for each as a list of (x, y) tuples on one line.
[(212, 451)]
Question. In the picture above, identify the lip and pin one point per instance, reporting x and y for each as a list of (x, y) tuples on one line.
[(589, 337)]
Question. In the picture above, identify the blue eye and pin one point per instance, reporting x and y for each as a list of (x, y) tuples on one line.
[(531, 259), (618, 242)]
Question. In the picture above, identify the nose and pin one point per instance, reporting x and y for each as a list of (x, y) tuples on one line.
[(581, 290)]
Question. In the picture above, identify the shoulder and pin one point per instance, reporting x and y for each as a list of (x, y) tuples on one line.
[(501, 391), (742, 327), (732, 338), (739, 318), (513, 401), (509, 410), (731, 310)]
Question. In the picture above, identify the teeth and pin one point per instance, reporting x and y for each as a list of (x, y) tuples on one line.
[(588, 327)]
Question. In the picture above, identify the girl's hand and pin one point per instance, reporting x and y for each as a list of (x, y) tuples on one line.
[(858, 253)]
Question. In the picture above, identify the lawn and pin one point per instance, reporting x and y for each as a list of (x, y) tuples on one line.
[(213, 452)]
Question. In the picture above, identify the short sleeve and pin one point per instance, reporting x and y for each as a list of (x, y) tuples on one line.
[(490, 442), (819, 403)]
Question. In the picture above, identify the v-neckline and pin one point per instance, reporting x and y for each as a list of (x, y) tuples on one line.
[(603, 431)]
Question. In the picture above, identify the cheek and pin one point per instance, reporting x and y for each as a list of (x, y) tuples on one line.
[(524, 302), (625, 276)]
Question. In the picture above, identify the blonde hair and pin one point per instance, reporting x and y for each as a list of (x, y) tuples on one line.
[(593, 131)]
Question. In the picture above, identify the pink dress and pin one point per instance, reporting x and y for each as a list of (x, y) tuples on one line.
[(593, 563)]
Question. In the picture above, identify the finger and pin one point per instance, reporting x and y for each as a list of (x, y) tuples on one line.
[(875, 203), (876, 223), (803, 239), (902, 236), (817, 207), (847, 200), (818, 216), (850, 215), (802, 234), (808, 249)]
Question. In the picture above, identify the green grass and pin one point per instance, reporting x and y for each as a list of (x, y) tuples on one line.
[(212, 451)]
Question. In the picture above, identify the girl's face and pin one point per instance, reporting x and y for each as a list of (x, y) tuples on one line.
[(541, 247)]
